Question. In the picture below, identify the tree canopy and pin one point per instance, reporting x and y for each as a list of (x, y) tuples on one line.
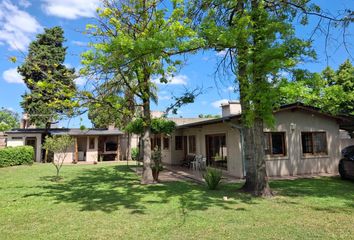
[(135, 41), (158, 126), (8, 119), (331, 91), (50, 83)]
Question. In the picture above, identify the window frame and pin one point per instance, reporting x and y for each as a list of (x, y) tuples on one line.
[(179, 146), (313, 153), (270, 146), (192, 148), (166, 140), (93, 139)]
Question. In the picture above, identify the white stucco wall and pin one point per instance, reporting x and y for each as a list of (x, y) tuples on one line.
[(294, 163), (11, 142)]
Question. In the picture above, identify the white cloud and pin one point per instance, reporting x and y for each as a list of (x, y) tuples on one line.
[(17, 27), (79, 43), (164, 97), (229, 89), (80, 81), (24, 3), (221, 53), (173, 80), (70, 9), (12, 76), (218, 103)]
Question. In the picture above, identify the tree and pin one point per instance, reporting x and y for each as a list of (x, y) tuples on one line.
[(60, 146), (331, 91), (135, 41), (259, 39), (8, 119), (50, 83)]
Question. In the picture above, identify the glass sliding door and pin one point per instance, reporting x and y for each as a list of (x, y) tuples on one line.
[(216, 150)]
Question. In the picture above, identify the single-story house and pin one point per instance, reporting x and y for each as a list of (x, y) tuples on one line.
[(304, 140), (90, 145)]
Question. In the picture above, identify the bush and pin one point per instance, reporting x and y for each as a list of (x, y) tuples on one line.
[(212, 177), (135, 154), (12, 156)]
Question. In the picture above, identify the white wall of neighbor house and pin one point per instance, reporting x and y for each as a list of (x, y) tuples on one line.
[(92, 149), (14, 140), (295, 162), (68, 156)]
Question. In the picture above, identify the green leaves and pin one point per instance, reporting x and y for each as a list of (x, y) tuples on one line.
[(332, 91), (158, 126), (50, 82)]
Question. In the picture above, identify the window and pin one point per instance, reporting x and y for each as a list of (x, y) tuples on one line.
[(91, 143), (16, 138), (274, 143), (178, 143), (166, 143), (156, 142), (192, 144), (314, 143), (111, 146), (216, 150)]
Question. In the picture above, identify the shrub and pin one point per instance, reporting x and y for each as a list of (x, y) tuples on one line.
[(135, 154), (12, 156), (156, 159), (212, 177)]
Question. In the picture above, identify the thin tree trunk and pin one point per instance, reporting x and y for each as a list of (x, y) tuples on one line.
[(147, 177), (129, 143)]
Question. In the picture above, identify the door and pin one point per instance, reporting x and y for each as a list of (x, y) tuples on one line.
[(32, 141), (216, 150)]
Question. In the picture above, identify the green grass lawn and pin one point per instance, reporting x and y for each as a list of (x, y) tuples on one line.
[(107, 202)]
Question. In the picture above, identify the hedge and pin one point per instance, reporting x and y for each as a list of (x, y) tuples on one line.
[(12, 156)]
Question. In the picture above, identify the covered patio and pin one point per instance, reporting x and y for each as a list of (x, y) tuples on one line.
[(93, 145)]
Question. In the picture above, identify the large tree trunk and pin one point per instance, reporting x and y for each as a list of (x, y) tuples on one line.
[(147, 177), (256, 174)]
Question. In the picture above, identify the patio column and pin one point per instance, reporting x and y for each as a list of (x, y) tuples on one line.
[(76, 156)]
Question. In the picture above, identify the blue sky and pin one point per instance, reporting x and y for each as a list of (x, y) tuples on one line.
[(21, 20)]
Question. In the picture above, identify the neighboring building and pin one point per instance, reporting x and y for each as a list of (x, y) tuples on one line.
[(303, 141), (90, 145)]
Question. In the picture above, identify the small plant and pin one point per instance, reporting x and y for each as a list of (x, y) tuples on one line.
[(59, 145), (157, 165), (135, 154), (212, 177)]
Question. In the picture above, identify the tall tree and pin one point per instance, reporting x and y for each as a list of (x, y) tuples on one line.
[(331, 91), (135, 41), (260, 42), (8, 119), (50, 83)]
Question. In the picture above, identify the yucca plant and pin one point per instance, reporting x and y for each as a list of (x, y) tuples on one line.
[(212, 177)]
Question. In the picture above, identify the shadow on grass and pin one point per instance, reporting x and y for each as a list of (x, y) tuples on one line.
[(332, 189), (115, 187), (111, 188)]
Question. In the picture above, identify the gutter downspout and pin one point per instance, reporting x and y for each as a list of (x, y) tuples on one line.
[(240, 129)]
